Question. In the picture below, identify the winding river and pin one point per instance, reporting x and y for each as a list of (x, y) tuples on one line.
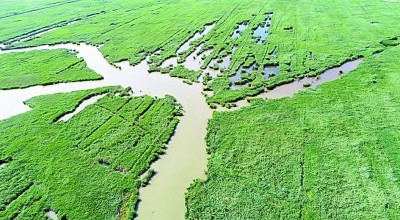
[(185, 158)]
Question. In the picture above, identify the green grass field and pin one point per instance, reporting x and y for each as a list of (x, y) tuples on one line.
[(328, 153), (42, 67), (55, 165)]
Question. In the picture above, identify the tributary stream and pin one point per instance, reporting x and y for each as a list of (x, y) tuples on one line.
[(185, 158)]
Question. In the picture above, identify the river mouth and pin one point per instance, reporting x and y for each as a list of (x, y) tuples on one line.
[(186, 157)]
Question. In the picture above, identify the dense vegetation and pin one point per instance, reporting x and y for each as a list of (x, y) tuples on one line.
[(182, 72), (305, 37), (87, 167), (42, 67), (327, 153)]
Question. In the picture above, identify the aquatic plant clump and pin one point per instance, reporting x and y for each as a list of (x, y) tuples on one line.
[(184, 73)]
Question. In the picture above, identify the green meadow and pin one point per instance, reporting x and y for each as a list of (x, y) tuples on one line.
[(42, 67), (88, 167), (326, 153)]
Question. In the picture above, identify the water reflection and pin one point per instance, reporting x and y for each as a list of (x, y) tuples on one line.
[(288, 90), (270, 71), (261, 32), (51, 215), (196, 36), (238, 30), (234, 79), (214, 68)]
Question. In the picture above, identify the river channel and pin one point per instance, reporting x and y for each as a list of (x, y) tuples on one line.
[(185, 158)]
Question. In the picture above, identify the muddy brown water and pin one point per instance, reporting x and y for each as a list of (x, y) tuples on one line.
[(185, 158)]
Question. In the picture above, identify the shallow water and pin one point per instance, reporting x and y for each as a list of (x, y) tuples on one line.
[(103, 163), (226, 61), (81, 107), (288, 90), (234, 48), (196, 36), (238, 30), (273, 53), (270, 71), (170, 61), (52, 215), (261, 32), (238, 75), (194, 61), (190, 62)]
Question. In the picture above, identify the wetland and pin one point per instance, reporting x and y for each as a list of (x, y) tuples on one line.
[(137, 109)]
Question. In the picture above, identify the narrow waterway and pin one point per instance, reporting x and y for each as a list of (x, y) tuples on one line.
[(196, 36), (288, 90), (185, 158), (82, 106)]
